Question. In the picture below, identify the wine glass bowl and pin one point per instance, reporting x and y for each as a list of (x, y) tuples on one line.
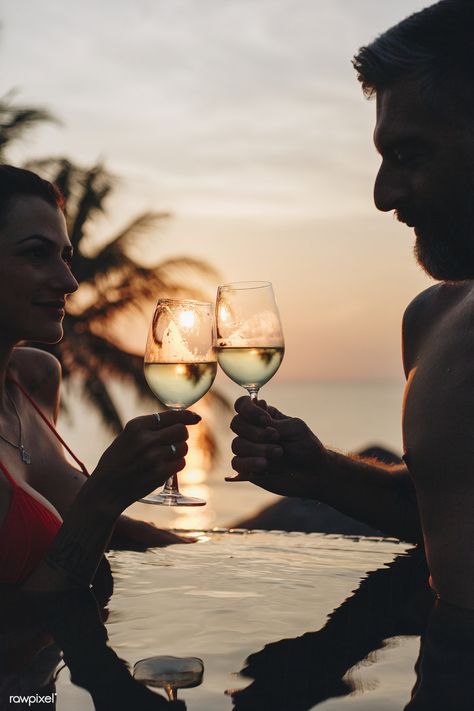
[(180, 365), (250, 344), (169, 673)]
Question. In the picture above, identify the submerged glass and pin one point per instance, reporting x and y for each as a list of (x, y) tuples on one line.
[(170, 673)]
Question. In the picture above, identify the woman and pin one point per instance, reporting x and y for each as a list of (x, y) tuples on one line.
[(56, 521)]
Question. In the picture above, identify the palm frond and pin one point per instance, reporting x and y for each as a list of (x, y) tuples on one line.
[(132, 285), (85, 191), (94, 186), (114, 284), (57, 170), (134, 231), (17, 120), (114, 255), (96, 392), (117, 281)]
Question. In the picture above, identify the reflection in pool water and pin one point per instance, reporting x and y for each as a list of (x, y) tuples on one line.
[(287, 622)]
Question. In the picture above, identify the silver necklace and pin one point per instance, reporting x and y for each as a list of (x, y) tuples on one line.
[(25, 456)]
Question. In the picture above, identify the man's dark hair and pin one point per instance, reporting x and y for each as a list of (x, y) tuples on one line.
[(18, 182), (434, 46)]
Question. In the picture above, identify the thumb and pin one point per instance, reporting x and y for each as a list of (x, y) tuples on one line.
[(289, 428)]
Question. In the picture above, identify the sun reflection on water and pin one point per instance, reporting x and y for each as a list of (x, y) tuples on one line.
[(194, 517), (192, 476)]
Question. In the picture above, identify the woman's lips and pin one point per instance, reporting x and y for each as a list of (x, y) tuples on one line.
[(55, 308)]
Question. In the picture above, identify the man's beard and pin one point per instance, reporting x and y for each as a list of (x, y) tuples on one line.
[(444, 245)]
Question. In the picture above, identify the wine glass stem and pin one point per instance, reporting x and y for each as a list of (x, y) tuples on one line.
[(171, 692), (171, 485), (253, 392)]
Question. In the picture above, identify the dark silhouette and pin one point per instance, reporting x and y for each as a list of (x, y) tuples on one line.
[(421, 73), (35, 629), (297, 674)]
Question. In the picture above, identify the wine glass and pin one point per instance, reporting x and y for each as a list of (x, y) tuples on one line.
[(250, 343), (170, 673), (180, 366)]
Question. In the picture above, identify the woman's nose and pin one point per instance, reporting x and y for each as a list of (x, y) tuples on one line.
[(64, 280)]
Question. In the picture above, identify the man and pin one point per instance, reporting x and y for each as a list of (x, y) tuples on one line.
[(421, 73)]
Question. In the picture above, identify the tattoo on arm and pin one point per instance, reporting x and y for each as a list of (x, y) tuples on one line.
[(77, 554)]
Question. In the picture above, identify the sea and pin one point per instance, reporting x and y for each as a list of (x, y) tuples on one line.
[(346, 415)]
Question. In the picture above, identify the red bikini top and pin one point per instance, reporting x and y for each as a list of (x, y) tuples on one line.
[(29, 527)]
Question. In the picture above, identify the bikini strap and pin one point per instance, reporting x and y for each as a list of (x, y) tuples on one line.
[(50, 425)]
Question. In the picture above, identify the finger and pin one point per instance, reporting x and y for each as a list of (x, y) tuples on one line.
[(251, 412), (163, 420), (244, 448), (246, 467), (290, 428), (174, 451), (276, 414), (170, 435), (170, 467), (254, 433)]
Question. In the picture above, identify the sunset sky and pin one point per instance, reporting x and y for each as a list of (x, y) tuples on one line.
[(243, 118)]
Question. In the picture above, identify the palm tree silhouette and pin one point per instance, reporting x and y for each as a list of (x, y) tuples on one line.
[(17, 120), (112, 284)]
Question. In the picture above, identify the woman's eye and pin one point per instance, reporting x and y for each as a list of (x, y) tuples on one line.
[(38, 252)]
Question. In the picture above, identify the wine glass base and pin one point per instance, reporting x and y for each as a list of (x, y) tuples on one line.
[(172, 500)]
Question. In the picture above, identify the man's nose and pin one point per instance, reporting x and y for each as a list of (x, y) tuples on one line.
[(390, 191)]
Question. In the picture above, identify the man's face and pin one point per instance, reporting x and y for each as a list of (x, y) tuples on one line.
[(427, 177)]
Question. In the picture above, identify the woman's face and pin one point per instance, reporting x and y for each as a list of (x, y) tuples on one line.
[(35, 275)]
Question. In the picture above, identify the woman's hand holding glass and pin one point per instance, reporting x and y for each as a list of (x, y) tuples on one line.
[(145, 455)]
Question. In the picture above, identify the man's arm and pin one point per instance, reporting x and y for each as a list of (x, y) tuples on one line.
[(282, 455), (378, 494)]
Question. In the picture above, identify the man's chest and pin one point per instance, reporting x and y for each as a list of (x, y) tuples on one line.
[(438, 413)]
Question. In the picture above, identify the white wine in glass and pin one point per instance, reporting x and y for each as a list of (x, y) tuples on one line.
[(180, 366), (250, 343)]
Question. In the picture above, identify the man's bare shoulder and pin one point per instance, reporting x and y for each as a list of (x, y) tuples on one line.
[(40, 374), (425, 310), (434, 300)]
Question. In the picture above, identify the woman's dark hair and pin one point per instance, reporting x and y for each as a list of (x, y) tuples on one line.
[(435, 46), (18, 182)]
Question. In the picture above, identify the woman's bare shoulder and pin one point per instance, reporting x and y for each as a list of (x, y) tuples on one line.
[(40, 375)]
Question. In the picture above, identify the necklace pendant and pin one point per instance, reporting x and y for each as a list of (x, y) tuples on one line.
[(25, 456)]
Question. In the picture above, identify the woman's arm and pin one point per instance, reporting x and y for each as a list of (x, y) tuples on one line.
[(40, 374), (132, 534), (138, 461)]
